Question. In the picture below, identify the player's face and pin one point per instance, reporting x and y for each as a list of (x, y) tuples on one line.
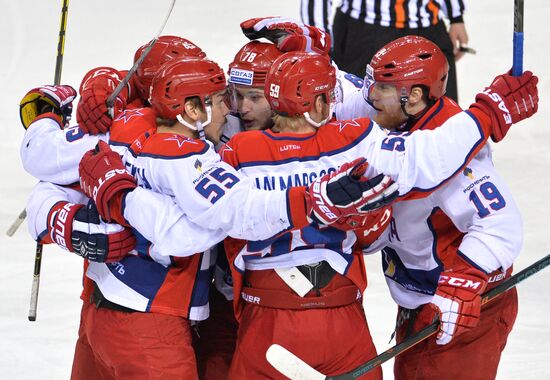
[(384, 98), (252, 107), (214, 130)]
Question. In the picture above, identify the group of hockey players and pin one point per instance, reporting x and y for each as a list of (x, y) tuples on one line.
[(218, 214)]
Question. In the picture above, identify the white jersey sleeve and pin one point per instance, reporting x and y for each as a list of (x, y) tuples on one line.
[(160, 220), (52, 154), (480, 204), (423, 160), (41, 199), (213, 196)]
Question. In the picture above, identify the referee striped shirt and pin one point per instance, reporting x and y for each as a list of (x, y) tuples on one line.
[(391, 13)]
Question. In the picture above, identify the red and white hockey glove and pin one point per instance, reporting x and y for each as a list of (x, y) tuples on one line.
[(347, 192), (457, 301), (103, 177), (45, 99), (508, 100), (288, 34), (92, 113), (79, 229)]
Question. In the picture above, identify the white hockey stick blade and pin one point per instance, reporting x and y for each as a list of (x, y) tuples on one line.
[(290, 365)]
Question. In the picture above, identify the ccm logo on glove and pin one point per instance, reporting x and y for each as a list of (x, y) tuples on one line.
[(459, 282)]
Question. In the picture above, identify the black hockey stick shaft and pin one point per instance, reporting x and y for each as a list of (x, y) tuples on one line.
[(111, 99), (57, 80), (432, 328), (517, 65)]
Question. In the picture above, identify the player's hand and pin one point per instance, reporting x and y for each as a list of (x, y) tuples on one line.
[(288, 34), (347, 192), (103, 177), (40, 100), (79, 229), (457, 302), (508, 100), (92, 113)]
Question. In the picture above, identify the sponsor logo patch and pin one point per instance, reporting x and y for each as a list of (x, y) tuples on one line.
[(239, 76)]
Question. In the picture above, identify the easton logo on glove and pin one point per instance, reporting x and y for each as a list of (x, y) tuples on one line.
[(103, 177), (497, 99), (93, 191)]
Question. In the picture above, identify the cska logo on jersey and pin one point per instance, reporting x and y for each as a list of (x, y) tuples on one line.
[(180, 140), (351, 123), (128, 114)]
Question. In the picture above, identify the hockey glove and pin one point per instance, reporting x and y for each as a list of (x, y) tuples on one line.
[(346, 192), (92, 113), (44, 99), (288, 34), (508, 100), (457, 302), (103, 177), (79, 229)]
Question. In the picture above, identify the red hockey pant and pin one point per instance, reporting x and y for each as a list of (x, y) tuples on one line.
[(118, 345), (333, 341), (473, 355)]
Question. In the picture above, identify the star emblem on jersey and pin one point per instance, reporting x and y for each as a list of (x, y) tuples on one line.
[(128, 114), (468, 173), (224, 148), (344, 124), (180, 140)]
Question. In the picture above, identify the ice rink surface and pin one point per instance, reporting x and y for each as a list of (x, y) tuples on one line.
[(106, 33)]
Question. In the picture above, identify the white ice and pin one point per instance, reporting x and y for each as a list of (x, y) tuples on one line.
[(104, 32)]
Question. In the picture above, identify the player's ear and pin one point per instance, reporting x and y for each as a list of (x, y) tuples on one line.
[(319, 104), (416, 96), (191, 109)]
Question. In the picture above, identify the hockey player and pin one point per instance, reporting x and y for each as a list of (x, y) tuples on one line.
[(171, 288), (276, 300), (441, 253), (52, 207)]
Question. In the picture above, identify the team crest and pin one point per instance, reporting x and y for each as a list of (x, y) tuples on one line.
[(180, 140), (128, 114), (351, 123)]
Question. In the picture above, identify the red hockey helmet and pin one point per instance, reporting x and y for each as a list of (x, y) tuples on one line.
[(183, 78), (409, 61), (252, 63), (295, 79), (165, 49)]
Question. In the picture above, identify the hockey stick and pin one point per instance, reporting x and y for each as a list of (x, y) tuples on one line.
[(121, 85), (56, 81), (110, 100), (293, 367), (517, 66)]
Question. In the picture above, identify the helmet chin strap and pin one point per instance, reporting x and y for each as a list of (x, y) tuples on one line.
[(199, 125), (322, 122)]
